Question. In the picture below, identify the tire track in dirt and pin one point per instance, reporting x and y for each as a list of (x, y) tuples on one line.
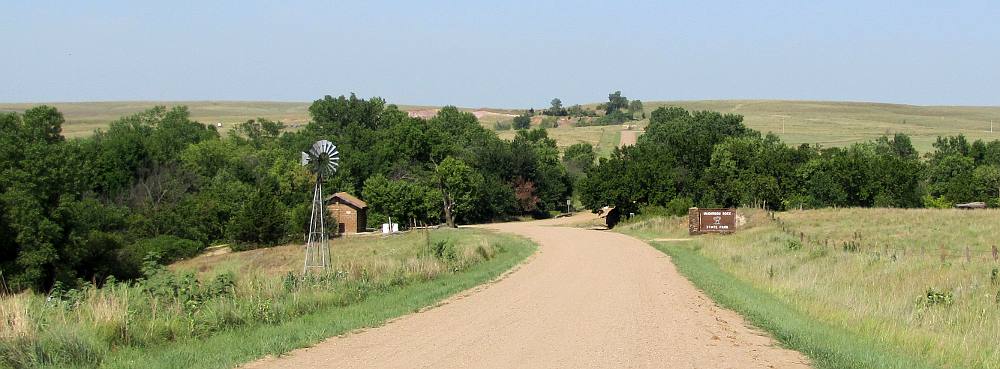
[(587, 299)]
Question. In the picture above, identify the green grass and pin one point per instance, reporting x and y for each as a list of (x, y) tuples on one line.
[(894, 292), (827, 346), (135, 326)]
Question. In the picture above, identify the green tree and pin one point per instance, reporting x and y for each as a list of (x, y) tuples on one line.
[(987, 183), (616, 103), (951, 176), (457, 183), (635, 109), (579, 158), (556, 108), (751, 171), (522, 121), (258, 132), (43, 124), (579, 111), (262, 220)]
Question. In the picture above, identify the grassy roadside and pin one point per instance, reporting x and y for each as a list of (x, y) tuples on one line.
[(827, 346), (238, 346), (893, 290), (187, 319)]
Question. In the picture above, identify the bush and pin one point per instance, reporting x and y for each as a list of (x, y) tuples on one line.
[(167, 249), (940, 202), (522, 121), (549, 122), (679, 206), (936, 298), (444, 251), (617, 117), (799, 201)]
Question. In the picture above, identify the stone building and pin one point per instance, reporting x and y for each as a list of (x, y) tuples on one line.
[(350, 212)]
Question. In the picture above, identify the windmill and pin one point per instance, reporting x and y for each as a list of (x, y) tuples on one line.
[(322, 160)]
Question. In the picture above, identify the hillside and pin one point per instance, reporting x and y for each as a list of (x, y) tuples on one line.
[(826, 123), (842, 123)]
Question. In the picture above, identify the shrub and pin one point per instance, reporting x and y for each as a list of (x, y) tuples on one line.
[(522, 121), (935, 298), (679, 206), (549, 122), (940, 202), (443, 250), (166, 249)]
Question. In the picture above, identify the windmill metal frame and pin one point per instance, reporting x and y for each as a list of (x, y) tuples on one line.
[(322, 159)]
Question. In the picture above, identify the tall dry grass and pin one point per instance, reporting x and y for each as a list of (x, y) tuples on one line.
[(79, 327), (894, 288)]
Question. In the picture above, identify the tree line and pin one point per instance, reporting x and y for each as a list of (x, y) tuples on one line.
[(617, 110), (158, 186), (708, 159)]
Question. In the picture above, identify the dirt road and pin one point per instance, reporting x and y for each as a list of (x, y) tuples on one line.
[(628, 138), (588, 299)]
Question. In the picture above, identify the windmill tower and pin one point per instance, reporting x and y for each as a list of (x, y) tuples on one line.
[(322, 160)]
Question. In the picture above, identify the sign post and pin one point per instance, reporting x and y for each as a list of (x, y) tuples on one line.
[(701, 221)]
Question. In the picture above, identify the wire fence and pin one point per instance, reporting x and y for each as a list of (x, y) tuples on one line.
[(858, 245)]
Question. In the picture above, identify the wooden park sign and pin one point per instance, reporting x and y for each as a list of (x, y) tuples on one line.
[(701, 221)]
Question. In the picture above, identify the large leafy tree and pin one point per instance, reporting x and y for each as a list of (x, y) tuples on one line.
[(458, 184), (616, 103), (751, 170)]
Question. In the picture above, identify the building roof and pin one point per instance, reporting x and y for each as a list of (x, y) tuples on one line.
[(348, 198)]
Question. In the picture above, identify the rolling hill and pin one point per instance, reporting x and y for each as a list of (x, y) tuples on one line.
[(796, 122)]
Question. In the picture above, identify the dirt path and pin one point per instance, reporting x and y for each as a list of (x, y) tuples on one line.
[(588, 299), (629, 138)]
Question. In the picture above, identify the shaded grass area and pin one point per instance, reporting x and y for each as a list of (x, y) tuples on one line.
[(827, 346), (247, 309)]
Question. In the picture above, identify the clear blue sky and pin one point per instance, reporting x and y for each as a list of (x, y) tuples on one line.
[(501, 53)]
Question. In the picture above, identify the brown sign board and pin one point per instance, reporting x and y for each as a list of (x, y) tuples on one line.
[(711, 220)]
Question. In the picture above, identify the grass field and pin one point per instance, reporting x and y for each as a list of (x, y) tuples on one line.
[(603, 138), (179, 319), (843, 123), (796, 122), (834, 124), (891, 298)]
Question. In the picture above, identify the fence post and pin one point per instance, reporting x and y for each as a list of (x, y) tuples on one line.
[(802, 237), (944, 253), (968, 255), (995, 253)]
